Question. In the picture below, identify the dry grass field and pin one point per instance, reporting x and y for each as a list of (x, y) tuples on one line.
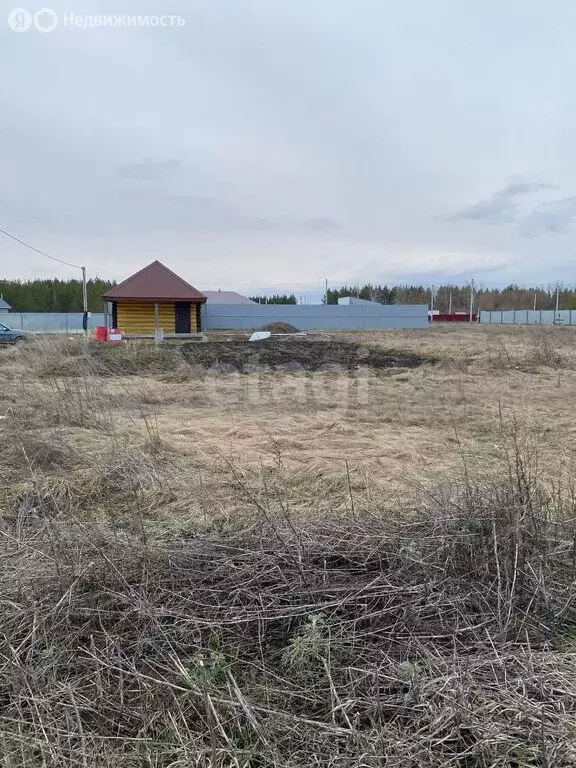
[(368, 567)]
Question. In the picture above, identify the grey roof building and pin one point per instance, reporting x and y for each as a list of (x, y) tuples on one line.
[(4, 306), (226, 297)]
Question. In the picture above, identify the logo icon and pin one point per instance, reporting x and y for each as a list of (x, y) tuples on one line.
[(20, 20), (45, 20)]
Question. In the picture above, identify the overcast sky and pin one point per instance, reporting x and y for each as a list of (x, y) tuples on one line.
[(278, 143)]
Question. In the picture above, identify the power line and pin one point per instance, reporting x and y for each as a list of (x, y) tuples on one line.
[(60, 261), (42, 253)]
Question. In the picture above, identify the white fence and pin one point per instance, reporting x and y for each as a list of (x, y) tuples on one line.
[(51, 322), (365, 316), (529, 317)]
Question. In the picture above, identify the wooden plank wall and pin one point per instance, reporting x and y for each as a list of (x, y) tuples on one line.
[(138, 317), (193, 321)]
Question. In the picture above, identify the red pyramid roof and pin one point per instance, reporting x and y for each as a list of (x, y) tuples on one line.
[(155, 283)]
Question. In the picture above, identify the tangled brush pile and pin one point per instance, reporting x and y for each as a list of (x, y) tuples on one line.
[(445, 640)]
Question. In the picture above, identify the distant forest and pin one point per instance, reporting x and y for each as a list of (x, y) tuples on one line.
[(277, 298), (66, 296), (457, 297), (53, 295)]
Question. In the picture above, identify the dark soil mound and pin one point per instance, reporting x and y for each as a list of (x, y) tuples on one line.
[(280, 327), (295, 354)]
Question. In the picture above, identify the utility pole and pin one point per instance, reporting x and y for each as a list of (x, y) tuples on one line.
[(450, 302), (557, 302), (432, 299), (84, 302), (326, 299), (471, 298), (535, 294)]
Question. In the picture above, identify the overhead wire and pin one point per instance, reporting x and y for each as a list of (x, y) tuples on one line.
[(37, 250)]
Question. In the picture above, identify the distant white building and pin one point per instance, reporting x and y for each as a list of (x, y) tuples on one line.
[(347, 300), (226, 297), (4, 306)]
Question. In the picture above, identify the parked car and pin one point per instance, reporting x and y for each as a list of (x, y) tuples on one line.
[(11, 336)]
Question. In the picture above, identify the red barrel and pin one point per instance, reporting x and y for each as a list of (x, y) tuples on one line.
[(100, 333)]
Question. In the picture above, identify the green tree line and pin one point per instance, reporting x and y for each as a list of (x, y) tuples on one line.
[(277, 298), (66, 296), (456, 298), (383, 294), (53, 295)]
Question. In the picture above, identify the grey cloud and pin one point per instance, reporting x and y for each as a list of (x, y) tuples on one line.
[(149, 208), (502, 207), (555, 216), (150, 170), (321, 224), (290, 224), (202, 214)]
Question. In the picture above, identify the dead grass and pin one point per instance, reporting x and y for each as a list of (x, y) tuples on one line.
[(370, 568), (392, 426)]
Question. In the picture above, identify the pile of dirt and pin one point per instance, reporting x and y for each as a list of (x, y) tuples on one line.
[(280, 327), (295, 354)]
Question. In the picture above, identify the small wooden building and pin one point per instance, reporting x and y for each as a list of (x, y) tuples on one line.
[(155, 298)]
